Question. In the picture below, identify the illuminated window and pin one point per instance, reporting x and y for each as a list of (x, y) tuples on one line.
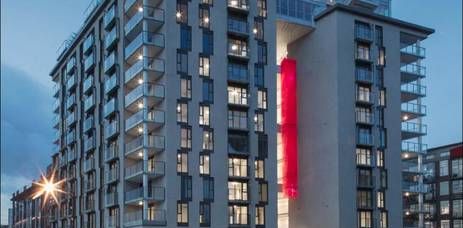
[(204, 115), (204, 164), (182, 163), (182, 112), (182, 213)]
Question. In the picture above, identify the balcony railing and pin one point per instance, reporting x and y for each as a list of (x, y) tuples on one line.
[(109, 62), (88, 83), (111, 129), (415, 187), (364, 97), (112, 221), (365, 140), (88, 123), (154, 193), (147, 38), (88, 43), (71, 65), (89, 144), (89, 62), (408, 146), (414, 49), (135, 169), (155, 217), (156, 168), (146, 89), (111, 38), (111, 83), (111, 152), (363, 34), (71, 118), (155, 141), (364, 117), (414, 127), (89, 102), (238, 26), (150, 13), (301, 11), (110, 107), (111, 198), (413, 88), (413, 108), (414, 69), (109, 17), (112, 175), (71, 137), (71, 82), (363, 75), (239, 4), (89, 164), (151, 64)]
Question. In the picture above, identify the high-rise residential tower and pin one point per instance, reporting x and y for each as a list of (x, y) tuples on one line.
[(165, 115)]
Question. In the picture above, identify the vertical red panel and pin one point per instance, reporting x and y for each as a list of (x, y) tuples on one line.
[(456, 152), (289, 127)]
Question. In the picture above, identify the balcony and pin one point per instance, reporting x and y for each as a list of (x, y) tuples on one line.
[(413, 147), (89, 63), (55, 121), (155, 144), (110, 39), (238, 5), (111, 129), (412, 91), (70, 101), (363, 34), (89, 206), (71, 119), (412, 187), (110, 107), (364, 75), (72, 155), (88, 44), (112, 176), (238, 26), (412, 111), (154, 67), (109, 62), (71, 65), (56, 90), (112, 221), (238, 49), (111, 83), (71, 82), (88, 84), (88, 124), (413, 130), (365, 181), (412, 53), (154, 119), (89, 144), (364, 98), (110, 17), (155, 194), (89, 103), (411, 167), (412, 72), (111, 199), (154, 18), (154, 169), (89, 165), (111, 153), (71, 137), (154, 94), (155, 218), (365, 140), (56, 106), (154, 43), (364, 117)]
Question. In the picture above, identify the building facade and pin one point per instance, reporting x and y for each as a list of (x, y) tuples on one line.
[(164, 115), (444, 176)]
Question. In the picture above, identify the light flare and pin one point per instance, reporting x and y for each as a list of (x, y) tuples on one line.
[(48, 187)]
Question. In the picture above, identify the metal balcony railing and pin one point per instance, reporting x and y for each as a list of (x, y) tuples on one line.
[(112, 175), (111, 152), (111, 128), (111, 198), (238, 26)]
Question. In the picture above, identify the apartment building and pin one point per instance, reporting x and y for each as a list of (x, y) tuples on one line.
[(444, 175), (164, 115), (26, 211), (356, 79)]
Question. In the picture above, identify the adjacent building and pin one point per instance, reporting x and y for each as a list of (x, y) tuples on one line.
[(444, 175)]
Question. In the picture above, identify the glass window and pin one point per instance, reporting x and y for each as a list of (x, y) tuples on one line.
[(363, 52), (261, 99), (259, 122), (204, 18), (365, 178), (237, 95), (182, 62), (208, 140), (237, 191), (185, 137), (258, 29), (259, 75), (363, 156), (457, 186), (444, 168), (263, 192), (182, 12), (237, 72), (182, 213), (186, 187), (259, 169), (380, 158), (204, 214), (381, 57), (364, 219), (383, 219), (262, 145), (238, 48), (208, 43), (185, 37), (382, 97), (457, 167), (204, 66), (204, 115), (380, 201), (363, 94), (204, 164), (237, 119), (208, 188), (457, 208), (238, 215), (262, 52), (262, 8), (364, 199), (379, 36), (382, 178), (182, 112), (457, 223), (444, 207), (185, 88), (260, 215), (182, 163), (445, 224), (237, 167), (208, 91), (444, 188), (238, 143)]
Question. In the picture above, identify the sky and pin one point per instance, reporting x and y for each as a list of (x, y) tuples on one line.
[(32, 31)]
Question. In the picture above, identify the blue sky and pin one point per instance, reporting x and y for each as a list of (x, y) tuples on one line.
[(31, 32)]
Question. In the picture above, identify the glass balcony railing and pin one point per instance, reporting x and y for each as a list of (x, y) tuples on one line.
[(71, 137), (89, 62), (150, 13), (413, 88), (302, 11), (111, 83), (413, 108), (110, 61), (414, 147), (88, 123), (154, 141), (365, 139), (112, 221), (111, 152), (363, 75), (155, 217), (56, 89), (89, 144), (151, 64), (128, 4), (71, 65), (144, 38), (71, 118), (111, 199), (414, 49), (89, 102), (89, 164), (414, 127), (88, 83), (238, 26), (111, 129), (145, 89), (71, 82), (112, 175), (134, 169), (414, 69), (110, 107), (72, 155), (155, 116), (364, 117), (415, 187), (109, 17), (70, 101), (88, 43), (111, 38), (363, 34), (154, 193), (239, 4)]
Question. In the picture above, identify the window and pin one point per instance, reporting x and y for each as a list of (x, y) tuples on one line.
[(204, 214), (364, 219), (381, 57), (457, 208), (237, 95), (443, 188), (259, 122), (260, 215), (364, 178), (182, 213), (182, 163), (363, 52), (185, 37), (182, 112), (382, 178), (380, 201), (204, 164), (208, 43), (364, 136), (238, 143), (237, 119), (206, 2), (262, 145), (261, 99), (208, 140), (444, 168), (237, 72), (457, 223), (208, 188), (182, 11), (238, 215), (185, 88), (186, 188), (363, 156), (259, 169), (382, 137), (457, 186), (262, 8), (258, 29), (444, 207), (182, 62), (363, 199), (263, 192), (238, 48), (185, 137), (379, 36), (445, 224), (362, 30), (237, 167), (204, 66), (383, 219), (237, 190), (382, 97), (262, 52), (208, 91), (380, 158), (363, 94), (204, 18), (204, 115), (259, 75), (363, 115), (457, 167)]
